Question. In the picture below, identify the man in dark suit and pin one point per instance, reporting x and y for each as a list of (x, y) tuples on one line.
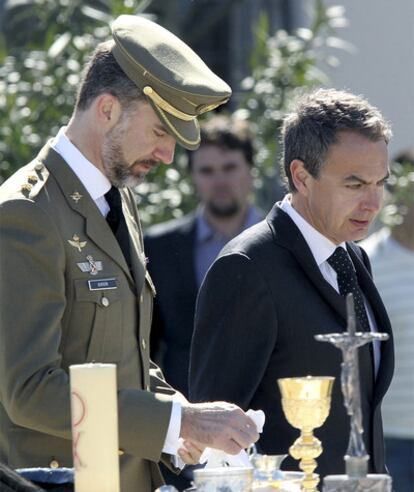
[(273, 288), (181, 251), (74, 285)]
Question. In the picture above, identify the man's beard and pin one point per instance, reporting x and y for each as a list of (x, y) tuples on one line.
[(223, 211), (117, 169)]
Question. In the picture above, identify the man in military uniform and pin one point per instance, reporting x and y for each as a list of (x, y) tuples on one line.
[(71, 250)]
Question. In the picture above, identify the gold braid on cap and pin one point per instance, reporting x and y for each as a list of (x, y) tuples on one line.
[(166, 106)]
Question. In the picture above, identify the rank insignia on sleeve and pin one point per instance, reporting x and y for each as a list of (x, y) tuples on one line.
[(77, 243)]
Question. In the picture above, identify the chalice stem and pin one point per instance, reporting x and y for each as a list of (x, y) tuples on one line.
[(307, 448)]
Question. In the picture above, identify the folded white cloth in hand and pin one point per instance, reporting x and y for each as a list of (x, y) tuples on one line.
[(217, 458)]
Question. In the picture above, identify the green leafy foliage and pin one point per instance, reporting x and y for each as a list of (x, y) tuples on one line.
[(44, 44), (284, 65), (401, 196)]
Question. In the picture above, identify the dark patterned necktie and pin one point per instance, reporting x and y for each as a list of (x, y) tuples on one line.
[(348, 282), (116, 221)]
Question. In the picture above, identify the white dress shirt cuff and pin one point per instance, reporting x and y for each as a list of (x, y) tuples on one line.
[(171, 442)]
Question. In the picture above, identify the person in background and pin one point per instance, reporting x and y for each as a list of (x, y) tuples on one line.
[(74, 285), (181, 251), (391, 253), (283, 281)]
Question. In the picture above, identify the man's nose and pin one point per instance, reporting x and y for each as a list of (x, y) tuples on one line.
[(165, 151), (221, 178), (373, 199)]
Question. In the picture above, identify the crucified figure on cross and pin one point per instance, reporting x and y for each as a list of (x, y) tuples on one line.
[(356, 457)]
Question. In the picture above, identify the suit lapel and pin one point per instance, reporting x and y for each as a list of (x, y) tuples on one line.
[(138, 258), (287, 235), (386, 367), (96, 227), (367, 285)]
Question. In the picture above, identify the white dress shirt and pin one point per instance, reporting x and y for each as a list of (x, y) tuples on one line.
[(97, 184), (322, 248)]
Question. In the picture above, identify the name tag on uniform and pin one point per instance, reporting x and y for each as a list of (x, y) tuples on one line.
[(102, 284)]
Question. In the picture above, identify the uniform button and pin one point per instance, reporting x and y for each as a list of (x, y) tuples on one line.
[(54, 464), (105, 302), (143, 343), (39, 167), (121, 452), (32, 179)]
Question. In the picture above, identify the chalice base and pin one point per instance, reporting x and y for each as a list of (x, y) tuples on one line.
[(370, 483), (356, 466)]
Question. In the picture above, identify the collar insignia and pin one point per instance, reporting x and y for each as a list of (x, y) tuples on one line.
[(76, 196)]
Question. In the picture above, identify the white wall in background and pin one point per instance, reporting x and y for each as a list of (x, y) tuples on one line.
[(382, 67)]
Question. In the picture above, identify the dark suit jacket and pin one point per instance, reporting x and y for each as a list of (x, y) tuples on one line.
[(170, 251), (50, 319), (258, 310)]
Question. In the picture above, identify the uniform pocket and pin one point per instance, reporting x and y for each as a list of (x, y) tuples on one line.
[(29, 448), (97, 318)]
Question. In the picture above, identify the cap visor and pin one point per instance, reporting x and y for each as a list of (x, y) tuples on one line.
[(187, 133)]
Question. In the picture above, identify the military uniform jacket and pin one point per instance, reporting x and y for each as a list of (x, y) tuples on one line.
[(258, 311), (50, 231)]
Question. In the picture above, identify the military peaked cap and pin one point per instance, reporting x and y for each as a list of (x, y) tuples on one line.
[(178, 84)]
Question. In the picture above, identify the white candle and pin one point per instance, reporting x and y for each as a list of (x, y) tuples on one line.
[(95, 427)]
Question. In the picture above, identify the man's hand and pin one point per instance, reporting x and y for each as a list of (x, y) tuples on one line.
[(218, 425), (190, 452)]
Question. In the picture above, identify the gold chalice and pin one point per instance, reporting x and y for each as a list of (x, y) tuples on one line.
[(306, 402)]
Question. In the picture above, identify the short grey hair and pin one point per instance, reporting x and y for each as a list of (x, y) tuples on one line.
[(312, 127)]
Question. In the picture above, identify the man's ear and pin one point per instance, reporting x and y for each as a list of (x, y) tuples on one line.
[(300, 176), (108, 110)]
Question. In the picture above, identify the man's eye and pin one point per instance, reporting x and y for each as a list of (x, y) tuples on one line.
[(230, 168), (206, 172), (354, 186)]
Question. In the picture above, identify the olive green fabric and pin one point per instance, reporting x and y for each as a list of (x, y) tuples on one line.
[(51, 319), (179, 85)]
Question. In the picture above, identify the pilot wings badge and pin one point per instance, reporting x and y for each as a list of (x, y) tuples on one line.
[(77, 243)]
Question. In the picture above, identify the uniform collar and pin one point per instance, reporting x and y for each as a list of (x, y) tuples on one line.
[(95, 182)]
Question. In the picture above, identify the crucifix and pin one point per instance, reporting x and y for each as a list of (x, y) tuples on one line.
[(356, 457)]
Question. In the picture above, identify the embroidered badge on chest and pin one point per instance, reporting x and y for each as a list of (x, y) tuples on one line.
[(77, 243), (91, 266)]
